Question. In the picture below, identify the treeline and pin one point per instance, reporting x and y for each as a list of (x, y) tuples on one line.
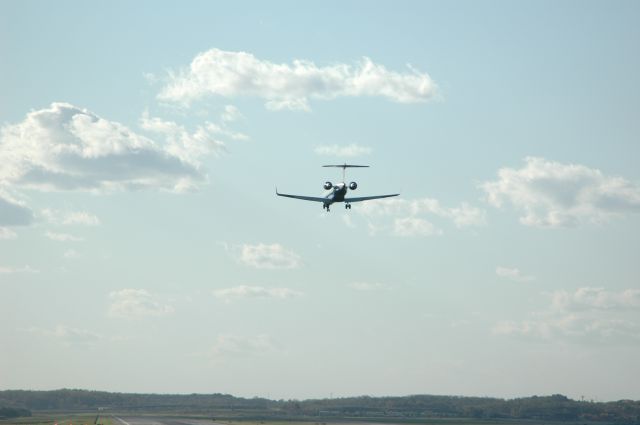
[(13, 412), (388, 409), (71, 399), (552, 408)]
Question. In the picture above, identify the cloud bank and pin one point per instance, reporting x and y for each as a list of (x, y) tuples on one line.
[(290, 86), (587, 315), (268, 256), (64, 147), (409, 216), (596, 298), (369, 286), (68, 335), (70, 218), (348, 151), (189, 147), (244, 291), (62, 237), (136, 303), (11, 270), (513, 274), (552, 194)]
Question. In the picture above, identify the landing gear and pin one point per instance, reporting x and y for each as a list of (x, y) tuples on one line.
[(325, 207), (347, 206)]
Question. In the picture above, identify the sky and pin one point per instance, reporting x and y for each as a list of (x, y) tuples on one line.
[(143, 248)]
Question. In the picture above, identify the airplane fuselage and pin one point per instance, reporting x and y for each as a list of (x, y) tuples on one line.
[(337, 194)]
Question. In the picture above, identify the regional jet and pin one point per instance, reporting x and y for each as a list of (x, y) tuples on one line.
[(338, 191)]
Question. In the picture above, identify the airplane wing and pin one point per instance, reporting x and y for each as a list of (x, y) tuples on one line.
[(368, 198), (304, 198)]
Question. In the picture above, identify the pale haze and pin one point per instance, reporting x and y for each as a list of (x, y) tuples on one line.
[(143, 248)]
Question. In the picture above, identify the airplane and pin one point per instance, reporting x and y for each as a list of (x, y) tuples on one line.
[(338, 191)]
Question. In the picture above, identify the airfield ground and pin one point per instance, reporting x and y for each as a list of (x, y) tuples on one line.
[(141, 419)]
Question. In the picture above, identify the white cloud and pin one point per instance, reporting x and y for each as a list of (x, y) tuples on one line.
[(63, 237), (71, 254), (465, 215), (231, 113), (573, 327), (81, 217), (462, 216), (596, 298), (64, 147), (288, 104), (135, 303), (409, 215), (513, 274), (6, 233), (11, 270), (413, 226), (68, 335), (235, 346), (189, 147), (244, 291), (588, 315), (552, 194), (70, 218), (265, 256), (369, 286), (12, 212), (340, 151), (290, 86)]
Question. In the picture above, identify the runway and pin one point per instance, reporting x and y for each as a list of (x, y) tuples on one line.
[(161, 420)]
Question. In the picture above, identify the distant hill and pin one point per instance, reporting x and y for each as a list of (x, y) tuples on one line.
[(399, 409)]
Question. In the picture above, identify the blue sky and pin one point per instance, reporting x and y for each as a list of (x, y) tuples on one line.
[(142, 247)]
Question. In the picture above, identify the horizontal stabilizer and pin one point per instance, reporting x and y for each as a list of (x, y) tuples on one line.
[(347, 166)]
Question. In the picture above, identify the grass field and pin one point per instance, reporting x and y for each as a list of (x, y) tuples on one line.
[(425, 421), (60, 419)]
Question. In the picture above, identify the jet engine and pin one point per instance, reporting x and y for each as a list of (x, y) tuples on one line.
[(327, 186), (353, 185)]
